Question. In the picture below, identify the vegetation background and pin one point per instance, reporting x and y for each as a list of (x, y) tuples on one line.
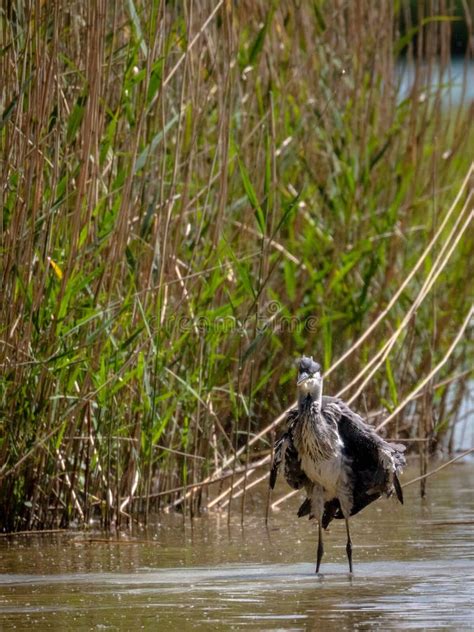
[(192, 194)]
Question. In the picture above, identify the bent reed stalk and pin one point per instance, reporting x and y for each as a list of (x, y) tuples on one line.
[(192, 194)]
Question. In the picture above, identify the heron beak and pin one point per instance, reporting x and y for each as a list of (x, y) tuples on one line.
[(302, 377)]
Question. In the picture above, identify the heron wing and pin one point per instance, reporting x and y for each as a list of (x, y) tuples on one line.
[(278, 452), (285, 452), (374, 463), (362, 441)]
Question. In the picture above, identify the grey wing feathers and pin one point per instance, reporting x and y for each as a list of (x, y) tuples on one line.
[(355, 430), (277, 457), (286, 453), (375, 463), (398, 488)]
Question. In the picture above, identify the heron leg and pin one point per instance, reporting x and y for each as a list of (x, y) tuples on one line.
[(349, 546), (320, 546)]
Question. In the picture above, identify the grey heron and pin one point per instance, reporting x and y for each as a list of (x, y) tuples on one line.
[(335, 456)]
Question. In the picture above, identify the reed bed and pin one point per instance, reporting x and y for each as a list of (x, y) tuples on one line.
[(194, 193)]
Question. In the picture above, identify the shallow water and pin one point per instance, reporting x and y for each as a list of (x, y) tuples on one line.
[(414, 569)]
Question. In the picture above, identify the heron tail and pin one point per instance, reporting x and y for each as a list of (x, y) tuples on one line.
[(332, 509), (305, 508)]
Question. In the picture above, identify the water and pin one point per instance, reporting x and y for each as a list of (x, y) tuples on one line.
[(463, 426), (458, 86), (414, 569)]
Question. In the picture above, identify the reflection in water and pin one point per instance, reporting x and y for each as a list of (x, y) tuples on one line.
[(413, 570)]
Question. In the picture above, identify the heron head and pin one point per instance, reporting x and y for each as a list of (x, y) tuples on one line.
[(309, 375)]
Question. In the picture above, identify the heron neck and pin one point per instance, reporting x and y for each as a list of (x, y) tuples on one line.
[(315, 395)]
